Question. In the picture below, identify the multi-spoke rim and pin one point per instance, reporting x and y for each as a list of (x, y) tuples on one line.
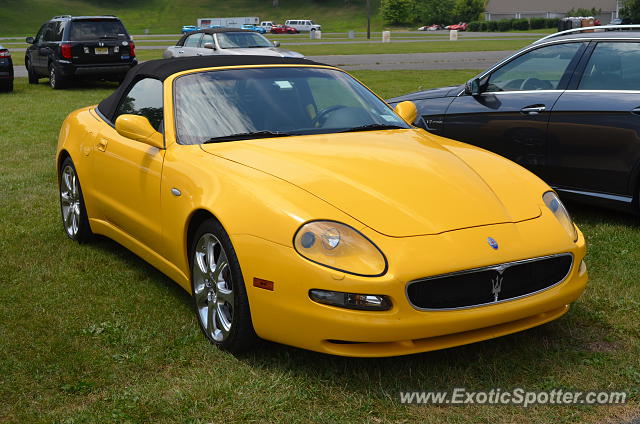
[(213, 288), (70, 200), (52, 76)]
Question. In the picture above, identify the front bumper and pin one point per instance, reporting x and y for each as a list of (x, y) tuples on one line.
[(287, 315)]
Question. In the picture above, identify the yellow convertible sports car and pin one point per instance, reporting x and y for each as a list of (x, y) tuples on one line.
[(296, 206)]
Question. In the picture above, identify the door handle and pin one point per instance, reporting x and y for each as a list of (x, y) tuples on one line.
[(533, 109), (180, 51), (102, 144), (636, 111)]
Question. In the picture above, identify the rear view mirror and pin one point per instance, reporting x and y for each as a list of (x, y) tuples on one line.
[(139, 128), (30, 40), (407, 111), (276, 44), (209, 46)]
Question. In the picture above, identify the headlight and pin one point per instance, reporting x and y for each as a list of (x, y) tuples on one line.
[(339, 247), (554, 204)]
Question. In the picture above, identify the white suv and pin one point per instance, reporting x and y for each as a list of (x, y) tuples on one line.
[(303, 25), (266, 25)]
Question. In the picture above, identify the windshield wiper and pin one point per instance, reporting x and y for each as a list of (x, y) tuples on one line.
[(373, 127), (247, 136)]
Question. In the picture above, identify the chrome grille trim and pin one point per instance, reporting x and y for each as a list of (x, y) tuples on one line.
[(498, 267)]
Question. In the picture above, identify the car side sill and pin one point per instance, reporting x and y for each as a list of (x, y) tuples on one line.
[(99, 226)]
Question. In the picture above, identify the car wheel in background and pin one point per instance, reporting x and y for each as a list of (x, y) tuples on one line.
[(56, 81), (218, 290), (33, 78), (74, 214)]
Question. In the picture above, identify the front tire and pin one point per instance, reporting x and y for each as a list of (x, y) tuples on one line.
[(56, 81), (219, 293), (33, 78), (72, 208)]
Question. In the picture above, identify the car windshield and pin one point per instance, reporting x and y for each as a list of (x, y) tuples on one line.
[(241, 104), (95, 29), (233, 40)]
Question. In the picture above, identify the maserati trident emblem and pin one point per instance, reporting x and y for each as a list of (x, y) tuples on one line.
[(493, 243), (496, 286)]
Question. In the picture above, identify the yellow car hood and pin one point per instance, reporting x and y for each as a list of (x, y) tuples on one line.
[(398, 182)]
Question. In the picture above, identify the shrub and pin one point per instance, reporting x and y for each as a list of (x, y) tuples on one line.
[(474, 26), (552, 22), (492, 26), (520, 24), (537, 23), (484, 26), (504, 25)]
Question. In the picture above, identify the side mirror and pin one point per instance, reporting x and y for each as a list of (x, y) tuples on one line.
[(407, 111), (209, 46), (276, 44), (472, 88), (139, 128), (30, 40)]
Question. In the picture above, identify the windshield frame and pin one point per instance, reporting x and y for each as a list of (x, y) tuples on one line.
[(174, 115), (220, 36)]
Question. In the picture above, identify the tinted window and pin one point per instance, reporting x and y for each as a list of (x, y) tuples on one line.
[(540, 69), (95, 29), (291, 100), (192, 40), (57, 30), (144, 99), (613, 66), (40, 35), (48, 34)]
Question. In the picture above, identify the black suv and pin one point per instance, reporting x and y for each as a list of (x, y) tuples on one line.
[(567, 107), (80, 46), (6, 70)]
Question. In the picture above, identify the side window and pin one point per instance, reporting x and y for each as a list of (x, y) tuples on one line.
[(206, 38), (192, 40), (612, 66), (144, 99), (540, 69), (40, 34), (58, 29), (48, 35)]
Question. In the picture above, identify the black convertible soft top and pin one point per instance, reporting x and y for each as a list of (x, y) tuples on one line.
[(161, 69)]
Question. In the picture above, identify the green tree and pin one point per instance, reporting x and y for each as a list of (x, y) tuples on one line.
[(430, 12), (469, 10), (398, 12), (631, 10)]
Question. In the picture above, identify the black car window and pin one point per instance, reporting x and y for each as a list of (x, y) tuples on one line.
[(40, 35), (144, 99), (192, 40), (613, 66), (58, 29), (93, 29), (48, 34), (539, 69), (206, 38)]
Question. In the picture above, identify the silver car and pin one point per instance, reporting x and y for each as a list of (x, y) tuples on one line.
[(226, 41)]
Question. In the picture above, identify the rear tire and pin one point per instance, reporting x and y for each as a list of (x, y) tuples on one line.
[(33, 78), (56, 81), (218, 289), (7, 86)]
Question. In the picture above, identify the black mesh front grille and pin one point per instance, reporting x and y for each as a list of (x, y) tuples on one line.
[(490, 284)]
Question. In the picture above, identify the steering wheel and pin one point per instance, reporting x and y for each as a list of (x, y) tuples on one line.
[(321, 118), (535, 84)]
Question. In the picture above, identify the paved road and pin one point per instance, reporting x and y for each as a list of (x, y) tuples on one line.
[(411, 61)]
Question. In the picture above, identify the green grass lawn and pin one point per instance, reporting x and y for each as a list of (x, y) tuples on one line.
[(92, 334)]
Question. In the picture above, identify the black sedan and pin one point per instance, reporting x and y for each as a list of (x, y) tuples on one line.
[(6, 70), (566, 107)]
